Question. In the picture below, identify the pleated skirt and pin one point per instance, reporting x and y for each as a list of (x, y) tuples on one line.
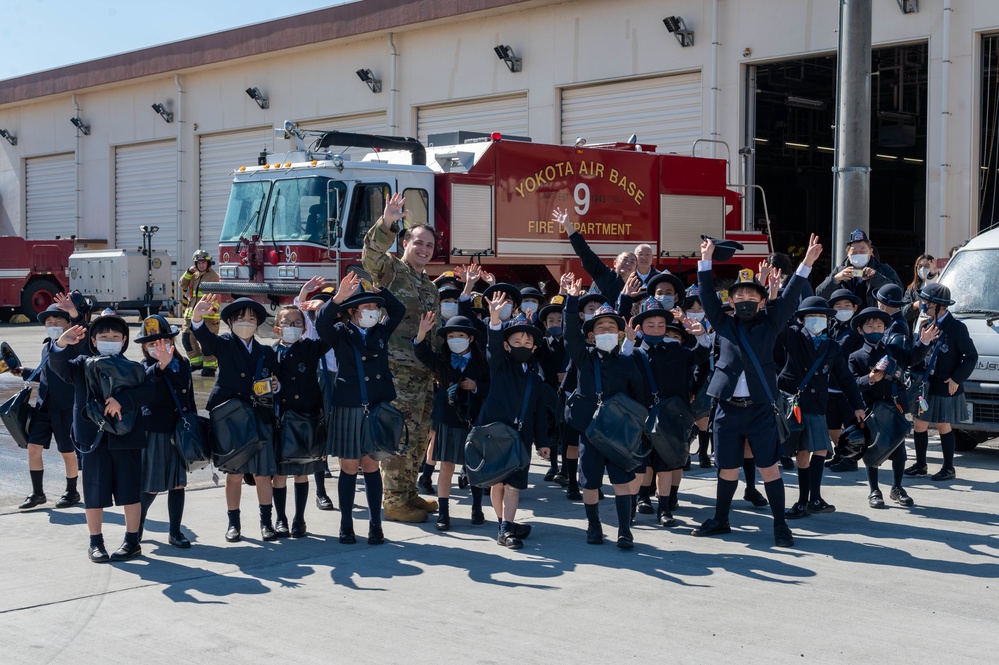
[(264, 463), (815, 437), (163, 468), (343, 437), (449, 444), (951, 409)]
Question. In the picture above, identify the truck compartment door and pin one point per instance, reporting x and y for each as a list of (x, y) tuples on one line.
[(682, 220), (472, 228)]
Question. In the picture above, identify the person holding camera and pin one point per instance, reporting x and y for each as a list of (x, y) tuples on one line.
[(861, 272)]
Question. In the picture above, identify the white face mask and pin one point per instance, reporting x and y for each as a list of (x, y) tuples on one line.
[(458, 344), (153, 353), (844, 314), (291, 334), (244, 329), (606, 341), (587, 317), (924, 273), (816, 324), (108, 348), (529, 307), (695, 316), (448, 310), (859, 260), (671, 340), (506, 312), (54, 332), (369, 317)]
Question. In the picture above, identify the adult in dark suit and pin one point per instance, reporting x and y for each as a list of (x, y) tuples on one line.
[(860, 272), (644, 257), (744, 416), (608, 282)]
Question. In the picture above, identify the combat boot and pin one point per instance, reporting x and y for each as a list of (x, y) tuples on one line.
[(420, 503), (405, 514)]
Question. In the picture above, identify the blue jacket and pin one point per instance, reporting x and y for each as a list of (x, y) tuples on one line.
[(801, 356), (507, 384), (237, 367)]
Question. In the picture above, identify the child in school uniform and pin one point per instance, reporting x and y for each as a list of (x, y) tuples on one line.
[(838, 411), (242, 362), (462, 384), (360, 335), (701, 405), (554, 361), (511, 369), (111, 464), (163, 467)]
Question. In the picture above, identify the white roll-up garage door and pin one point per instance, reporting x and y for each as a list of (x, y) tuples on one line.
[(50, 196), (145, 194), (218, 156), (665, 111), (507, 115)]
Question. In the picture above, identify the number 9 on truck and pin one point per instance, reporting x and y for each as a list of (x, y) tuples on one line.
[(581, 194)]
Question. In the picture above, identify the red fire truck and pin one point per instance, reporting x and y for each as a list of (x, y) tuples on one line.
[(32, 272), (489, 197)]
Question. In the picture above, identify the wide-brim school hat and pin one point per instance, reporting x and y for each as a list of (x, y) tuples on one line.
[(360, 298), (446, 279), (449, 292), (239, 304), (511, 292), (844, 294), (869, 313), (747, 278), (724, 249), (154, 328), (116, 321), (592, 297), (52, 310), (556, 305), (457, 324), (679, 288), (815, 305), (521, 324), (605, 312), (531, 292), (891, 295), (651, 308), (936, 293)]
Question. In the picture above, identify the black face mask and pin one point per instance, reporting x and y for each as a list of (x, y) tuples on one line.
[(521, 354), (746, 310), (555, 331)]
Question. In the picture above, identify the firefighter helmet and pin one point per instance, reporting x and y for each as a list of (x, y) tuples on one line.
[(202, 255)]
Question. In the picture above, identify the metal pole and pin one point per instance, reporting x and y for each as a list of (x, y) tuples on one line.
[(852, 173)]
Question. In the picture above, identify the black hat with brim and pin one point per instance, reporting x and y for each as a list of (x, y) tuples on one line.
[(679, 288), (754, 284), (639, 318), (457, 324), (528, 328), (511, 292), (155, 328), (869, 313), (52, 310), (844, 294), (936, 293), (100, 321), (891, 295), (724, 249), (531, 292), (449, 293), (815, 305), (238, 305), (361, 298), (557, 305), (588, 325), (592, 297)]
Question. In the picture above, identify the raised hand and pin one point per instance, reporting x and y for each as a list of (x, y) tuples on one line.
[(575, 288), (346, 287), (73, 335), (929, 334), (204, 306), (565, 281), (631, 330), (813, 252), (65, 304), (496, 304), (393, 210), (487, 277), (310, 305), (164, 352), (632, 286), (562, 217), (426, 325), (695, 328), (763, 271), (314, 284), (707, 249)]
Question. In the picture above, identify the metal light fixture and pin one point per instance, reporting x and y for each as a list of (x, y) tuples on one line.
[(79, 124), (580, 142), (367, 77), (505, 53), (11, 139), (805, 103), (166, 115), (678, 29), (908, 6), (258, 97)]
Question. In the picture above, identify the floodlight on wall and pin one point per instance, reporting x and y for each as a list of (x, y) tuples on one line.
[(678, 29), (79, 124), (11, 139), (908, 6), (368, 77), (258, 97), (166, 115), (580, 142), (505, 53)]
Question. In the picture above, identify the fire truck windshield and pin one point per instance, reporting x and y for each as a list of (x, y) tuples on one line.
[(290, 210)]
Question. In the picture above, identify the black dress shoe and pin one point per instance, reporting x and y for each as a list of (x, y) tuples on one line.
[(625, 540), (573, 494), (704, 461), (68, 499), (375, 535), (550, 476), (443, 522), (298, 530), (875, 499), (645, 506), (462, 480), (323, 502), (916, 469), (796, 512), (782, 536), (267, 533), (843, 465), (522, 531), (943, 474), (249, 479), (98, 554), (425, 487), (899, 496), (126, 552), (832, 460), (179, 540), (819, 507), (508, 540), (787, 463), (281, 529), (478, 517), (712, 528), (560, 479), (347, 537), (666, 519), (753, 496), (232, 534), (33, 500), (594, 534)]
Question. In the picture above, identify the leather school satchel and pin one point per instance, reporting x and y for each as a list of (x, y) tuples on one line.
[(496, 450), (189, 436), (383, 426), (669, 422), (302, 437), (888, 428), (106, 375), (16, 414), (617, 427), (239, 431)]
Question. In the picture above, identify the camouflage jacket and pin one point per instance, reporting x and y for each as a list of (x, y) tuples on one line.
[(415, 289)]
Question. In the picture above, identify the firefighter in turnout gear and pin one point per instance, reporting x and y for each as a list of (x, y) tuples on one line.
[(190, 288)]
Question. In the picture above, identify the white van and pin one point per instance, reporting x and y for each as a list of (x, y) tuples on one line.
[(973, 278)]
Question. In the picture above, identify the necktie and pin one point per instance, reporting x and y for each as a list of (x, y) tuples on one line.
[(818, 339), (459, 362)]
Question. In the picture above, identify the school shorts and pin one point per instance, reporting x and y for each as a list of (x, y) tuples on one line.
[(111, 477), (592, 464), (734, 425), (46, 424)]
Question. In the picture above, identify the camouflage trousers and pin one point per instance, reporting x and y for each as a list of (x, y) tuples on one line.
[(190, 344), (414, 397)]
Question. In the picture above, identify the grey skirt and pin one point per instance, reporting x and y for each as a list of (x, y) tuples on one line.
[(343, 437), (264, 463), (815, 436), (163, 469), (292, 469), (952, 409), (449, 444)]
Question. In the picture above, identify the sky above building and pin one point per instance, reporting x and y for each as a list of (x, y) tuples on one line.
[(44, 34)]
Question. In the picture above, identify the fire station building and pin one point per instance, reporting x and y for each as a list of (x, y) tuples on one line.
[(151, 137)]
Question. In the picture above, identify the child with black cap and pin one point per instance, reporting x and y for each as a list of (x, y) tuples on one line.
[(553, 361), (838, 412), (245, 366)]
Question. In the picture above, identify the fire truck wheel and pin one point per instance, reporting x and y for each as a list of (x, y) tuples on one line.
[(38, 295)]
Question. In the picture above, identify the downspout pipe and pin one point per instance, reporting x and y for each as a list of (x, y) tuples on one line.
[(181, 235), (944, 116), (76, 166), (713, 99), (393, 128)]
